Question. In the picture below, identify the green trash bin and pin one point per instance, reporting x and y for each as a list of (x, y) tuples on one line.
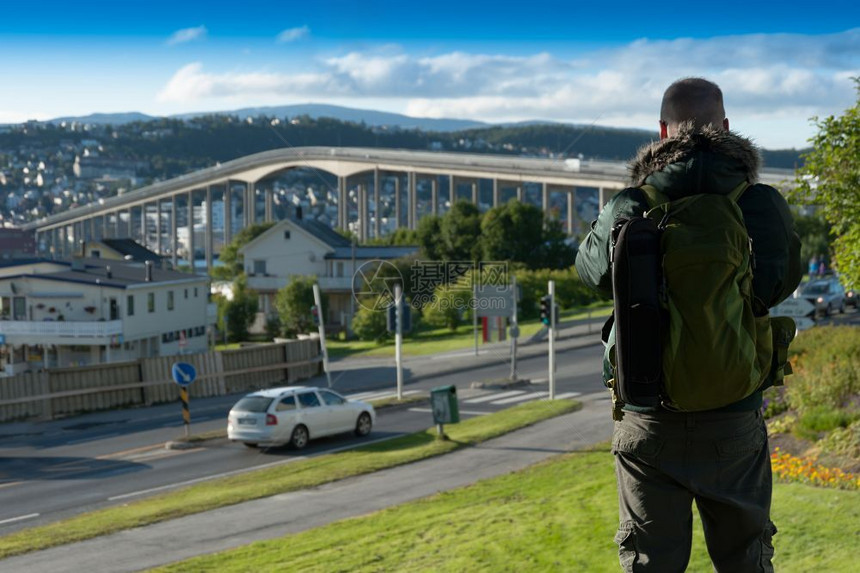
[(443, 401)]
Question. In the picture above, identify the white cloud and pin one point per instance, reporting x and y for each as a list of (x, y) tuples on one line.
[(294, 34), (187, 35), (766, 78)]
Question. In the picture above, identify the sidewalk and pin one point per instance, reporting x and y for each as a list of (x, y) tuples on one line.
[(284, 514)]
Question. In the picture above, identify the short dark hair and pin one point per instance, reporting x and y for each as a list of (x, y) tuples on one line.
[(693, 99)]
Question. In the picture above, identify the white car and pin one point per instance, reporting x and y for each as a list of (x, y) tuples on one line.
[(294, 415)]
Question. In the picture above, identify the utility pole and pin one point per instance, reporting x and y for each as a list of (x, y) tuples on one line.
[(475, 315), (398, 338), (321, 327), (515, 329), (552, 340)]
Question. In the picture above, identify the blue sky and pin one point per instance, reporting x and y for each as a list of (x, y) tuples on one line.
[(605, 63)]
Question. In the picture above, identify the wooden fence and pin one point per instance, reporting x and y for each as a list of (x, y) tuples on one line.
[(60, 392)]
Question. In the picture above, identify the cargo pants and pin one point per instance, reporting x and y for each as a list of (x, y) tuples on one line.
[(665, 461)]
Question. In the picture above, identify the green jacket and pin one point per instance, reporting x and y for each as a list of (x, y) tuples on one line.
[(704, 161)]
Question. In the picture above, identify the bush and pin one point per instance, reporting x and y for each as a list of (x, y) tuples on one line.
[(843, 441), (369, 324), (826, 369)]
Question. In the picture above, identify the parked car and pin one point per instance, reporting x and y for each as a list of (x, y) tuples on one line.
[(827, 295), (295, 415), (851, 298)]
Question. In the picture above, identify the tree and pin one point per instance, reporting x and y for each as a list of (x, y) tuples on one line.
[(293, 303), (230, 257), (238, 313), (512, 232), (460, 230), (429, 237), (830, 179), (815, 236)]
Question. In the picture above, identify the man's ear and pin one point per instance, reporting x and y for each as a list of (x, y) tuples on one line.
[(726, 124), (664, 129)]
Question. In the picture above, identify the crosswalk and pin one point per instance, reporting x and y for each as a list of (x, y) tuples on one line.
[(495, 398)]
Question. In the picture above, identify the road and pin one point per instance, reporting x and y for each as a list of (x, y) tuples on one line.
[(57, 469)]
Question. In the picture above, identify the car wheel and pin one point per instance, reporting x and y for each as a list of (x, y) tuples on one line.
[(250, 444), (299, 439), (363, 425)]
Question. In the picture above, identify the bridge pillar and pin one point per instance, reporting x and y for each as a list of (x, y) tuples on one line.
[(190, 209), (603, 197), (396, 201), (570, 197), (269, 201), (495, 192), (158, 226), (434, 195), (143, 226), (341, 203), (475, 193), (208, 240), (363, 218), (544, 198), (520, 193), (452, 191), (174, 240), (413, 199), (228, 214), (376, 206)]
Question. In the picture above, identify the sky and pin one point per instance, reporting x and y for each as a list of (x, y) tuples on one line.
[(604, 63)]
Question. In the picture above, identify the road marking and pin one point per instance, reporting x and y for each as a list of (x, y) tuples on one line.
[(494, 397), (378, 395), (19, 518), (246, 470), (568, 395), (527, 397), (10, 484), (467, 412)]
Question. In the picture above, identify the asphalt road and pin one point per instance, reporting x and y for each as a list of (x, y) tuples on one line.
[(57, 469)]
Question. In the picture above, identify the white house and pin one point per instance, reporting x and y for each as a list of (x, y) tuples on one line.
[(300, 248), (91, 311)]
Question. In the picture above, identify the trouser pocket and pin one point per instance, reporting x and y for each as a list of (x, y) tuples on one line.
[(624, 538)]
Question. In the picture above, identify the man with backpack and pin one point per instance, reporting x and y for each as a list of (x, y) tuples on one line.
[(694, 255)]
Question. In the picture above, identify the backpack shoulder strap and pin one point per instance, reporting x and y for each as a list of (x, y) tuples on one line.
[(735, 194), (653, 196)]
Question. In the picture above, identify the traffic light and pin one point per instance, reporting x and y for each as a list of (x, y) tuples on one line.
[(315, 315), (545, 316)]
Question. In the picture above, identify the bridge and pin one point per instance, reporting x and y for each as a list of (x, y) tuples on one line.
[(371, 192)]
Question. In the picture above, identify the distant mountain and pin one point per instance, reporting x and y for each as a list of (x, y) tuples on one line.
[(106, 118), (367, 116)]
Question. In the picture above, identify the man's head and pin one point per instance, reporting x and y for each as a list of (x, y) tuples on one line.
[(691, 99)]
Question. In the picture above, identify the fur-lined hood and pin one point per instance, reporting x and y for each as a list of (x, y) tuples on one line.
[(704, 158)]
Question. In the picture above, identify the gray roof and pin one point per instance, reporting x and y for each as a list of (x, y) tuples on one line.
[(122, 275), (372, 252), (323, 232), (132, 248)]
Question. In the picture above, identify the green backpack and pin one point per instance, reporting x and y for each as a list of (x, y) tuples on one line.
[(718, 345)]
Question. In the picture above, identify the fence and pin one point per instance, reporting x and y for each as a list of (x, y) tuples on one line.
[(60, 392)]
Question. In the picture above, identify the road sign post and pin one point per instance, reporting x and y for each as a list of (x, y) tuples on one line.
[(398, 338), (551, 340), (515, 330), (184, 374)]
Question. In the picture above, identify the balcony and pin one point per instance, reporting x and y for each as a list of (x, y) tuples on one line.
[(335, 283), (58, 331)]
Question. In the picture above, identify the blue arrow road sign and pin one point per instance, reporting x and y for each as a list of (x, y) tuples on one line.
[(183, 373)]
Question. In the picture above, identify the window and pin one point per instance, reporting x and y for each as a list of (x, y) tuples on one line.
[(331, 399), (339, 272), (286, 235), (150, 302), (186, 293), (259, 267), (195, 292), (308, 400), (170, 300), (288, 403), (96, 254), (129, 305)]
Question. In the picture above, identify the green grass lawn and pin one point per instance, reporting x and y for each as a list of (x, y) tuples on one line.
[(559, 515), (288, 477), (433, 341)]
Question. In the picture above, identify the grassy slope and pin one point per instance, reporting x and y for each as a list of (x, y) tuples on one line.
[(556, 516)]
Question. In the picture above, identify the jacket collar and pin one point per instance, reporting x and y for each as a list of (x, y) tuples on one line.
[(689, 141)]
